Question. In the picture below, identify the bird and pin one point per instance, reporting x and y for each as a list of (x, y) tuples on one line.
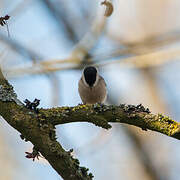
[(92, 86)]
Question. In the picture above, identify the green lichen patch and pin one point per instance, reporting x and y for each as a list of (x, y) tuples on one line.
[(166, 119), (80, 107), (164, 124)]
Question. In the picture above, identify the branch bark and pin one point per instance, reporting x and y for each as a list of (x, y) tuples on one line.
[(39, 128), (101, 115)]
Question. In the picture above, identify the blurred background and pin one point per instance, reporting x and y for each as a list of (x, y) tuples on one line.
[(137, 51)]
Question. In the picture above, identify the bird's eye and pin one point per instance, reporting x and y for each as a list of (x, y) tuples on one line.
[(109, 8)]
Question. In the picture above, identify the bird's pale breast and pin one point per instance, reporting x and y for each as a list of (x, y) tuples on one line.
[(92, 95)]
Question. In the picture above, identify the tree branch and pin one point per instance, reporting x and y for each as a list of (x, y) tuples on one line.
[(101, 115), (39, 128)]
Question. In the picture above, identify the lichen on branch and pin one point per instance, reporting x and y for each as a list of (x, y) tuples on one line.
[(101, 115)]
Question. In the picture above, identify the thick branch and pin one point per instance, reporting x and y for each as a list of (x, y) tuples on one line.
[(101, 115)]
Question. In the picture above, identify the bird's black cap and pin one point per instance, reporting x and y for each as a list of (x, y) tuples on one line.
[(90, 73)]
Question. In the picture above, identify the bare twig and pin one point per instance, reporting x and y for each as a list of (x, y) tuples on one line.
[(140, 61)]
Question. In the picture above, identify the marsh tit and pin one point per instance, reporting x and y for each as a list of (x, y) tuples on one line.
[(92, 87)]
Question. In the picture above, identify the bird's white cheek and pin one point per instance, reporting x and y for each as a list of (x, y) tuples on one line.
[(96, 82)]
